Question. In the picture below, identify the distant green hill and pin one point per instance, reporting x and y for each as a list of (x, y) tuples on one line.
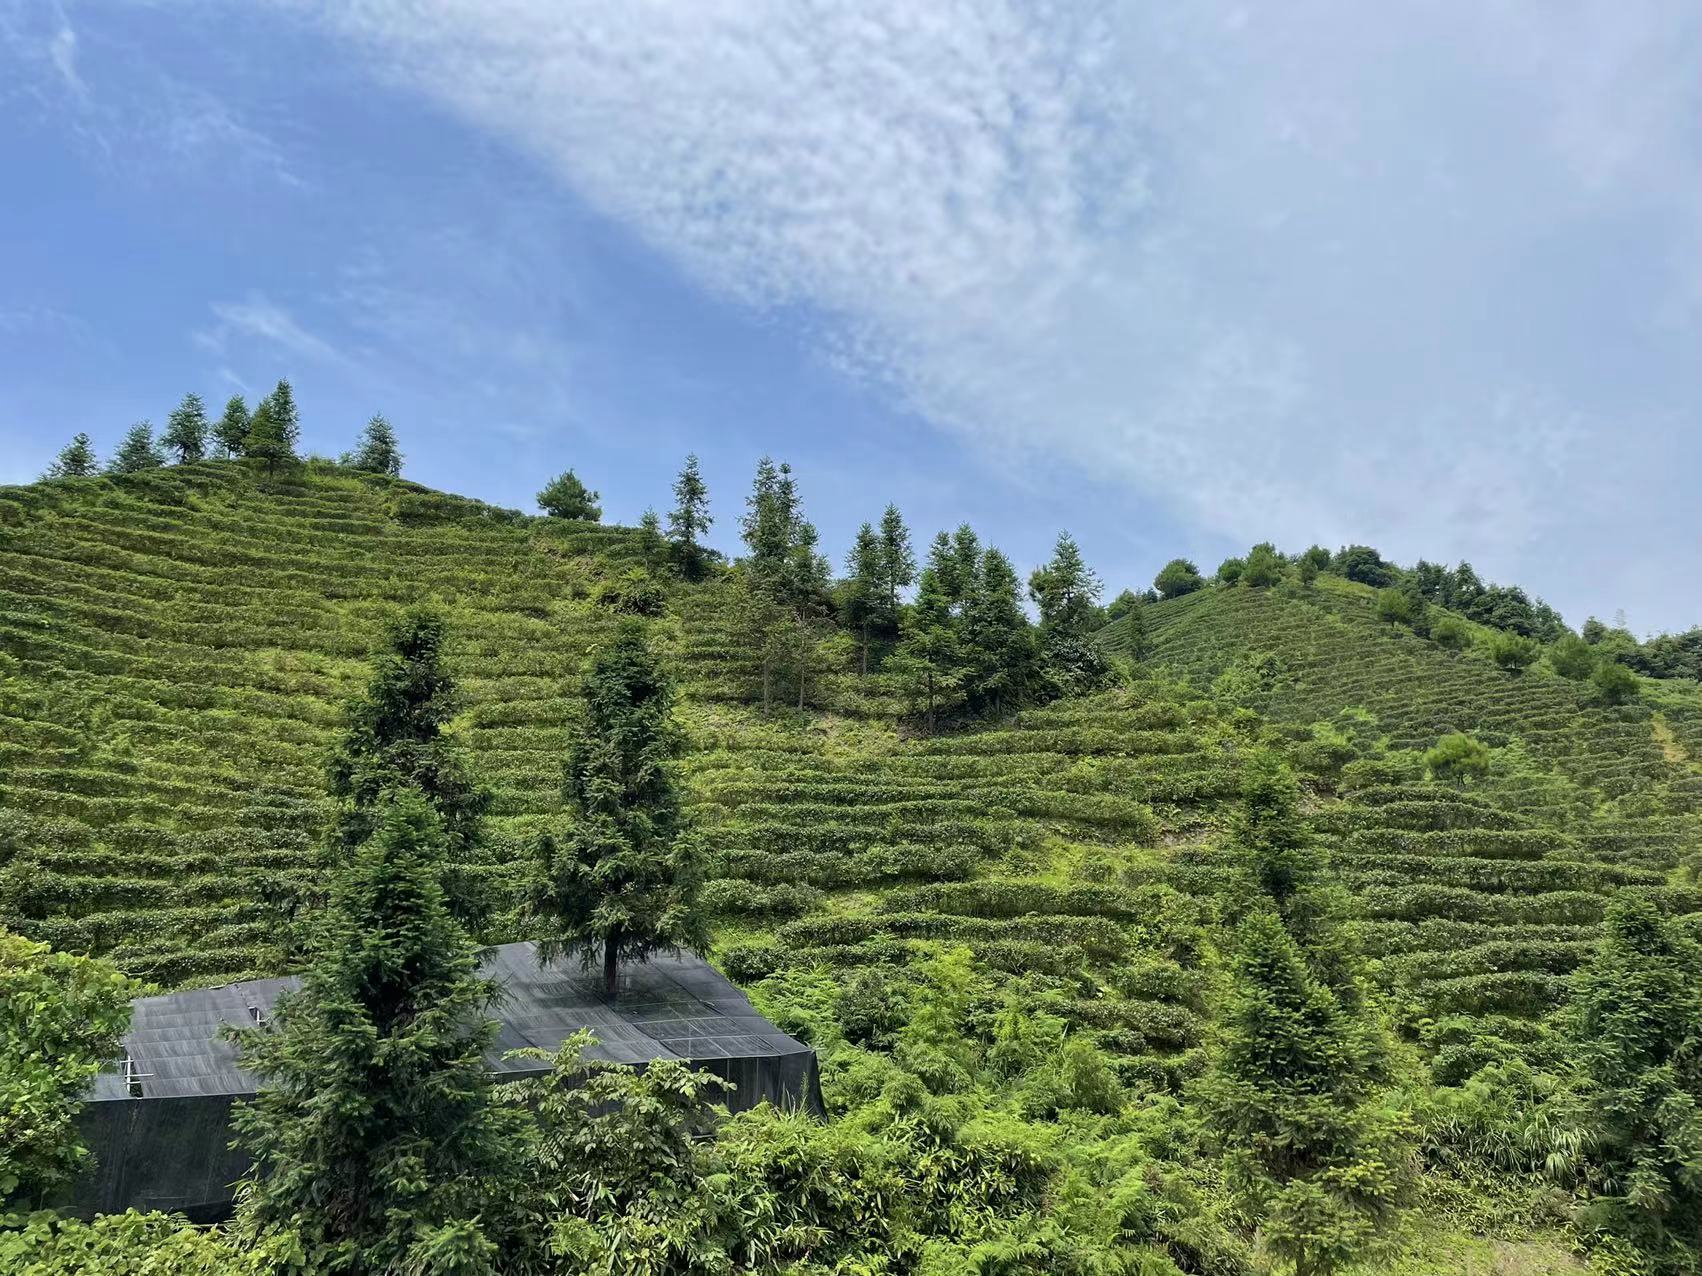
[(1479, 900)]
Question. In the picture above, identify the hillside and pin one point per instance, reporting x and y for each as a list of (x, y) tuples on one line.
[(176, 648), (1479, 901)]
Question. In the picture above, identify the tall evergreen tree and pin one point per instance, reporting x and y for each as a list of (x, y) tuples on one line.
[(267, 440), (1001, 653), (783, 560), (1281, 869), (898, 563), (770, 524), (805, 588), (651, 545), (929, 661), (1066, 591), (285, 418), (690, 519), (624, 877), (137, 452), (186, 430), (965, 564), (396, 738), (1635, 1100), (373, 1135), (230, 433), (863, 597), (77, 460), (1313, 1153), (378, 451)]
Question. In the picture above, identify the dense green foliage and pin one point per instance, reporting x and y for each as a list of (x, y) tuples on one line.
[(565, 496), (1207, 965), (372, 1142), (60, 1020)]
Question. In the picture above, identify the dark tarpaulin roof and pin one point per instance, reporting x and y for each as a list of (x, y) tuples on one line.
[(166, 1149)]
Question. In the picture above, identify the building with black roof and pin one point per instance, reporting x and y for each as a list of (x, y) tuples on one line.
[(159, 1123)]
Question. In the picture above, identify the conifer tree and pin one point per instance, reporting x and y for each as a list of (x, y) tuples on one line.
[(1267, 826), (689, 519), (396, 737), (77, 460), (1635, 1099), (929, 660), (805, 580), (378, 451), (1066, 591), (898, 564), (186, 430), (137, 452), (962, 566), (285, 418), (1136, 632), (783, 560), (863, 598), (230, 433), (651, 545), (1001, 653), (1313, 1154), (565, 496), (373, 1135), (770, 524), (623, 879), (1282, 870), (267, 441)]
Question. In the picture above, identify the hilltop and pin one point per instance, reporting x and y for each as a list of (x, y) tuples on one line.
[(1057, 882)]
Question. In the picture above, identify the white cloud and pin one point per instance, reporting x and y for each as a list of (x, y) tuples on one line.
[(1422, 276), (261, 319), (62, 52)]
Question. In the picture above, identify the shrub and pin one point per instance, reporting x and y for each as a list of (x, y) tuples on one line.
[(1452, 633), (1614, 683), (1264, 566), (1230, 570), (1512, 652), (565, 496), (1395, 606), (1458, 758), (1571, 657), (1177, 577), (1365, 565)]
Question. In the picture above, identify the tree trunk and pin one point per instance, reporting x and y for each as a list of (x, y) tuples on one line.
[(863, 670), (767, 681), (930, 702), (611, 964)]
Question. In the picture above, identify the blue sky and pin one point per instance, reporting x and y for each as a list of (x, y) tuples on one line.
[(1178, 278)]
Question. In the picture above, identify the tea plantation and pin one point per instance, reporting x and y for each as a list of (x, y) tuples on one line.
[(177, 647)]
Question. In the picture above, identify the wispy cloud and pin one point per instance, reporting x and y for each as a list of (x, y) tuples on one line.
[(62, 52), (134, 111), (1313, 271), (259, 318)]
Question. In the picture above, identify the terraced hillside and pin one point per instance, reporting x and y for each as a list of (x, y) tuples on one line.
[(177, 646), (1479, 901), (176, 649)]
